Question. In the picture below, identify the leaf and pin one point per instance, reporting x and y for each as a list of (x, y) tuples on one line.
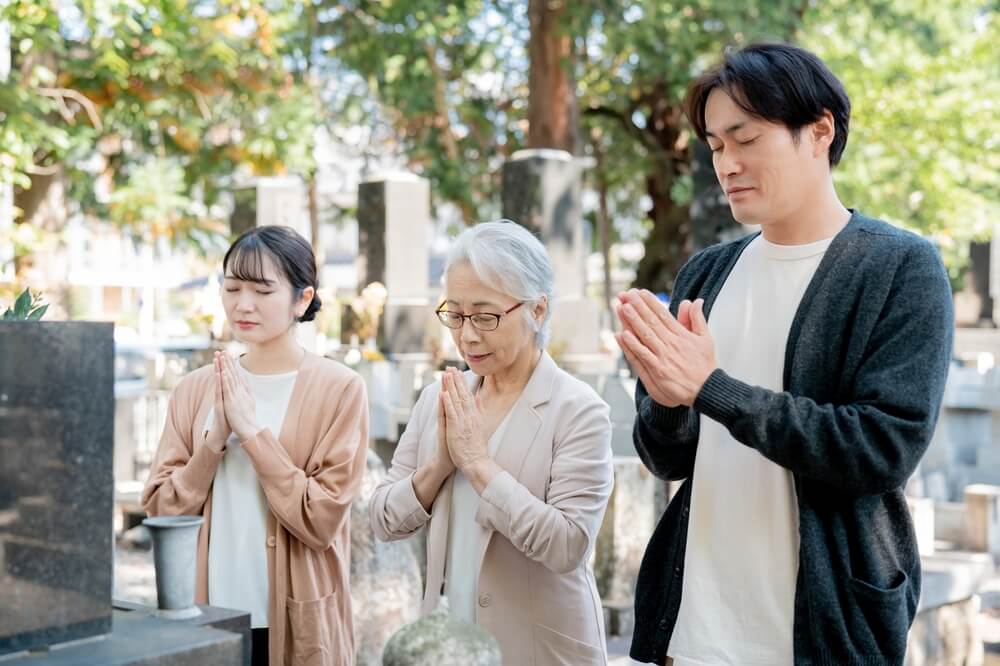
[(23, 304), (37, 313)]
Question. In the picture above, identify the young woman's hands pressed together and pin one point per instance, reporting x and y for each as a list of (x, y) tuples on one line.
[(219, 432), (238, 402)]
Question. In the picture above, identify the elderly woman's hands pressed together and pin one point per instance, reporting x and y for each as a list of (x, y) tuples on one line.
[(463, 427)]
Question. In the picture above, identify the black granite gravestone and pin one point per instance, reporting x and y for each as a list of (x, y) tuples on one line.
[(56, 486)]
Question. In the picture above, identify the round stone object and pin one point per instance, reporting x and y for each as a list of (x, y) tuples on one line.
[(441, 640)]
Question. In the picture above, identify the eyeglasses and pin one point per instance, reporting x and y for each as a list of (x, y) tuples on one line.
[(483, 321)]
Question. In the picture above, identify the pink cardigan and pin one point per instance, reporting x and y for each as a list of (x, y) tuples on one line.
[(310, 474)]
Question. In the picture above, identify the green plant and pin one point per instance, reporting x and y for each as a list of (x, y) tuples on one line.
[(27, 307)]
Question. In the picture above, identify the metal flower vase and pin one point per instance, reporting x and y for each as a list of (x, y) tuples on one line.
[(175, 554)]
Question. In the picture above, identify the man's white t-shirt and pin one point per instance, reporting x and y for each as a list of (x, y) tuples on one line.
[(741, 561), (237, 548)]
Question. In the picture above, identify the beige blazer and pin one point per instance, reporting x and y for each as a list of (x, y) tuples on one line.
[(310, 473), (535, 587)]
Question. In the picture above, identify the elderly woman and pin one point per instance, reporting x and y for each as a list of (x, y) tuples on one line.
[(508, 465)]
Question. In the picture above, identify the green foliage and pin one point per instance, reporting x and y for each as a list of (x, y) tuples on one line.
[(451, 81), (27, 307), (155, 107), (116, 91), (924, 80)]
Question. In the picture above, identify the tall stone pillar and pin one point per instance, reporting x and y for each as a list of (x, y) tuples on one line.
[(393, 225), (272, 200), (542, 191)]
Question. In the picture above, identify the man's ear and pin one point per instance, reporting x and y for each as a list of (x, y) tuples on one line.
[(822, 133)]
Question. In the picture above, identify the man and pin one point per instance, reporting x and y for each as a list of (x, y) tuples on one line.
[(797, 411)]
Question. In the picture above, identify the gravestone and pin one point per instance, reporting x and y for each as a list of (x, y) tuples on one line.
[(271, 200), (393, 226), (541, 190), (56, 492), (56, 486), (386, 586)]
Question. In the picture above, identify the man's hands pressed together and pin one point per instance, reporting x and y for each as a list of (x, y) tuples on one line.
[(673, 357)]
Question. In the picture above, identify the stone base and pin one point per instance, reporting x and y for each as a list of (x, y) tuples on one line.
[(139, 639), (946, 629), (621, 542), (945, 635), (225, 619), (386, 584)]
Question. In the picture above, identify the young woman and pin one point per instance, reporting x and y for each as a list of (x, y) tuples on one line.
[(270, 449)]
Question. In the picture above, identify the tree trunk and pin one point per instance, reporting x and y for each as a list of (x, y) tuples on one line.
[(553, 116), (603, 222), (668, 245)]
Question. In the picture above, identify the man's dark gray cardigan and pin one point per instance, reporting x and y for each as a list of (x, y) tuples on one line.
[(865, 367)]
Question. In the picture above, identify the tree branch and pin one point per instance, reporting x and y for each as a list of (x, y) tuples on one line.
[(62, 94), (625, 120)]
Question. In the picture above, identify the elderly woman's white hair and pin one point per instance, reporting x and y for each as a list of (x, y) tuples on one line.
[(509, 258)]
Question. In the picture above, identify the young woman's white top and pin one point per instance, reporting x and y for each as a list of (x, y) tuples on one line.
[(237, 548)]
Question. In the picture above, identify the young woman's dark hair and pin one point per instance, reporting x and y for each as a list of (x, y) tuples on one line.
[(290, 252), (778, 83)]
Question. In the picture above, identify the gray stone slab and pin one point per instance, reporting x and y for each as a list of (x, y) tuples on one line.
[(214, 617), (138, 639), (950, 577), (56, 486)]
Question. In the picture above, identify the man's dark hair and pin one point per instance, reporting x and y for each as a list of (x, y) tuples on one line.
[(778, 83)]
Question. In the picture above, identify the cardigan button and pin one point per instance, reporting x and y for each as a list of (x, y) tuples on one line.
[(485, 600), (270, 542)]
